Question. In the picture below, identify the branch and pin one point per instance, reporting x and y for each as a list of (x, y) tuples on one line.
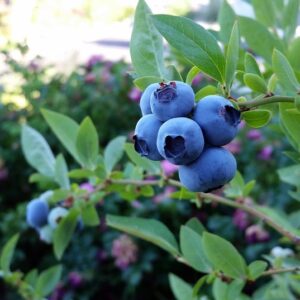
[(280, 271)]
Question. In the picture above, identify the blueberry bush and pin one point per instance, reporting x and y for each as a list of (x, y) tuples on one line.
[(238, 235)]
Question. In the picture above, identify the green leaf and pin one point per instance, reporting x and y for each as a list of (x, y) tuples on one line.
[(198, 285), (143, 82), (291, 123), (226, 19), (297, 102), (228, 291), (205, 91), (257, 118), (290, 174), (272, 83), (232, 55), (89, 215), (255, 83), (113, 153), (146, 45), (148, 229), (63, 233), (264, 12), (193, 72), (194, 42), (256, 268), (37, 151), (7, 253), (195, 225), (251, 65), (192, 250), (31, 277), (61, 172), (173, 73), (290, 18), (248, 188), (293, 54), (81, 173), (181, 289), (235, 188), (87, 144), (224, 256), (284, 72), (64, 128), (262, 42), (48, 280), (148, 165)]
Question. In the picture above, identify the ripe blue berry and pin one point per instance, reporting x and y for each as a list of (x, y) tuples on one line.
[(55, 216), (171, 100), (145, 137), (180, 140), (214, 167), (145, 99), (36, 213), (218, 119)]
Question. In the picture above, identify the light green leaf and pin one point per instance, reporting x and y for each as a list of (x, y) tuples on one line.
[(228, 291), (148, 165), (193, 72), (195, 225), (256, 268), (31, 277), (223, 255), (61, 172), (257, 118), (205, 91), (148, 229), (64, 128), (264, 12), (37, 151), (113, 153), (193, 42), (248, 188), (7, 253), (226, 19), (293, 54), (173, 73), (297, 102), (290, 18), (290, 174), (198, 285), (48, 280), (232, 55), (81, 173), (262, 42), (284, 72), (87, 144), (255, 83), (146, 45), (181, 289), (143, 82), (192, 250), (63, 233), (251, 65), (272, 83), (89, 215)]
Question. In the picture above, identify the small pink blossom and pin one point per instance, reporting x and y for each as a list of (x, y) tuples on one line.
[(134, 94), (240, 219), (242, 124), (254, 135), (168, 168), (90, 78), (197, 79), (266, 153), (234, 146), (164, 195), (87, 186), (93, 60), (256, 234), (75, 279)]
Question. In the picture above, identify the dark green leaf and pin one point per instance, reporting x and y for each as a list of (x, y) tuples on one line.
[(226, 19), (64, 128), (87, 144), (37, 151), (248, 188), (205, 91), (255, 83), (256, 268), (181, 289), (264, 12), (113, 152), (284, 72), (146, 46), (194, 42), (192, 250), (193, 72), (251, 65), (48, 280), (7, 253), (31, 277), (61, 172), (63, 233), (257, 118), (89, 215), (223, 255), (232, 55), (148, 229)]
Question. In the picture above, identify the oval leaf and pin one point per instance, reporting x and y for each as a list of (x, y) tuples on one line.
[(148, 229), (8, 252), (226, 19), (181, 289), (257, 118), (256, 268), (251, 65), (61, 172), (255, 83)]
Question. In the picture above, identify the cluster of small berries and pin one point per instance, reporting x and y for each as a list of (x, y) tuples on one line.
[(43, 219), (188, 134)]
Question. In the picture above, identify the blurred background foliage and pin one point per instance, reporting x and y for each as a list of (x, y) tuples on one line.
[(102, 263)]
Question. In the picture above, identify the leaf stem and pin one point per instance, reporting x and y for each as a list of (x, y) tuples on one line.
[(280, 271)]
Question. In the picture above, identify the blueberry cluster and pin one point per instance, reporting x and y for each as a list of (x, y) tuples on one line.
[(188, 134)]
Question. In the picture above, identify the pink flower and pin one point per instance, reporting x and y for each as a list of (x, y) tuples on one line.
[(93, 60), (266, 153), (3, 174), (197, 79), (242, 124), (90, 78), (256, 234), (164, 195), (234, 146), (75, 279), (125, 251), (134, 94), (168, 168), (254, 135), (240, 219), (87, 186)]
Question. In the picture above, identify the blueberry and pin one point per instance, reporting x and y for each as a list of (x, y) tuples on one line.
[(171, 100), (145, 137), (214, 167), (55, 215), (145, 99), (218, 119), (180, 140), (37, 212)]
